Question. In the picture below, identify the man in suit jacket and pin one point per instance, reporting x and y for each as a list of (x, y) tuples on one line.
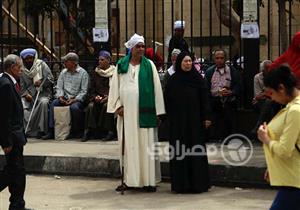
[(12, 136)]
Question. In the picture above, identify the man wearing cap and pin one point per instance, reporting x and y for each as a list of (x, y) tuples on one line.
[(177, 41), (135, 95), (97, 120), (72, 87), (12, 136), (36, 77)]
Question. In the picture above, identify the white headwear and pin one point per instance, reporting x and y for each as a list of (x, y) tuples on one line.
[(240, 61), (134, 40), (263, 64), (175, 51), (179, 24)]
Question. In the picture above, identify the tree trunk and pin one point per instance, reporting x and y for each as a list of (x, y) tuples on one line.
[(282, 26), (229, 18)]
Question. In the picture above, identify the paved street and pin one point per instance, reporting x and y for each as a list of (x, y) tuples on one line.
[(82, 193)]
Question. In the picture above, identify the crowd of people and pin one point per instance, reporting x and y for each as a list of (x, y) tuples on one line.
[(129, 101)]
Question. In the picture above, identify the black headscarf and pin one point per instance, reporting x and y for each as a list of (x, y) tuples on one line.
[(192, 77)]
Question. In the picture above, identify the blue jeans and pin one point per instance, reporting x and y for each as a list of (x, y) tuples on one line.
[(287, 199), (77, 115)]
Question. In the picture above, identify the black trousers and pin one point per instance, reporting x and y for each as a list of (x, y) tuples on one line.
[(224, 118), (13, 176)]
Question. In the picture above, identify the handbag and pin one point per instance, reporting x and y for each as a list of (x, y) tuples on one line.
[(62, 122)]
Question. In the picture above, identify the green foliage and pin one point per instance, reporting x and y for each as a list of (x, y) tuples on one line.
[(40, 7)]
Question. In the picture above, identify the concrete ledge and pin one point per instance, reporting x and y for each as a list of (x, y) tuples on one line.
[(221, 175), (93, 161)]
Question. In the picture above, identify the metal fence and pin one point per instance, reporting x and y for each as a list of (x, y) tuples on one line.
[(210, 24)]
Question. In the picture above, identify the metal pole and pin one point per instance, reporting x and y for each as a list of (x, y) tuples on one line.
[(18, 27), (122, 157), (1, 37)]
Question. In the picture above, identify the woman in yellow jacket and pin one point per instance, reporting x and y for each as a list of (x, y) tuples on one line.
[(281, 139)]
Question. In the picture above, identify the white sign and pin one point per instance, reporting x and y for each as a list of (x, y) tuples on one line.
[(249, 10), (249, 30), (101, 14), (100, 35)]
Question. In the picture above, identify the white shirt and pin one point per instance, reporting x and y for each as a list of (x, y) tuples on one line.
[(11, 77)]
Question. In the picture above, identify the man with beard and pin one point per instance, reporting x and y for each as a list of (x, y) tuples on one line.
[(36, 77)]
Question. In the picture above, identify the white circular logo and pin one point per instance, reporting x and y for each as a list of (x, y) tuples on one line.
[(236, 149)]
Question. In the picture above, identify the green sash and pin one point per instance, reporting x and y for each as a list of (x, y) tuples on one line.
[(147, 111)]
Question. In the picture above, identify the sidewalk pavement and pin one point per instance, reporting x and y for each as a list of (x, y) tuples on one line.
[(85, 193), (101, 159)]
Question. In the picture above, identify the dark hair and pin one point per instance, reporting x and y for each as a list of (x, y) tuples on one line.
[(220, 50), (281, 75)]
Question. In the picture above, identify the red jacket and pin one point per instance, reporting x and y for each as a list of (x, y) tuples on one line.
[(291, 57)]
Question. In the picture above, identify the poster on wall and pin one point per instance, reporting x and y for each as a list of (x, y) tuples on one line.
[(101, 32), (250, 10), (249, 30), (101, 14), (100, 35)]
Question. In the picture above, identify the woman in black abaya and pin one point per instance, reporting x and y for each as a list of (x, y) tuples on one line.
[(188, 112)]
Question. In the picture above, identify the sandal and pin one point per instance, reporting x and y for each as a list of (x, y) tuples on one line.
[(123, 187)]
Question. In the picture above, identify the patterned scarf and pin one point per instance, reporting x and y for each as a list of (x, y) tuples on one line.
[(105, 73), (35, 72)]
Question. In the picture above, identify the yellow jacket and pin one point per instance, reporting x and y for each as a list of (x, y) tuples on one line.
[(283, 159)]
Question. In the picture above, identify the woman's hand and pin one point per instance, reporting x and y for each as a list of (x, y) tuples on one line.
[(262, 133), (266, 176)]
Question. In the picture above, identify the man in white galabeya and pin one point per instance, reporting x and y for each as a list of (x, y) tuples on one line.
[(136, 96)]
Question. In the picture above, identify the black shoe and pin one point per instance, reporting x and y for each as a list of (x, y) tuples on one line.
[(75, 136), (123, 187), (20, 209), (110, 136), (149, 188), (86, 136), (40, 135), (49, 135)]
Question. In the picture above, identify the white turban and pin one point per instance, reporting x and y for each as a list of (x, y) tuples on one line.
[(134, 40), (179, 24), (176, 51)]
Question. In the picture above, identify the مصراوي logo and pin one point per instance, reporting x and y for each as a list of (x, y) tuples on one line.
[(236, 150)]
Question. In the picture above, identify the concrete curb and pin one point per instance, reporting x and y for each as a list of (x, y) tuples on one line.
[(224, 175)]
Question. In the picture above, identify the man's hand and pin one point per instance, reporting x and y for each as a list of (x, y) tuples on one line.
[(7, 150), (207, 124), (38, 83), (71, 101), (120, 111), (225, 92), (28, 97), (98, 99), (104, 99), (62, 100)]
